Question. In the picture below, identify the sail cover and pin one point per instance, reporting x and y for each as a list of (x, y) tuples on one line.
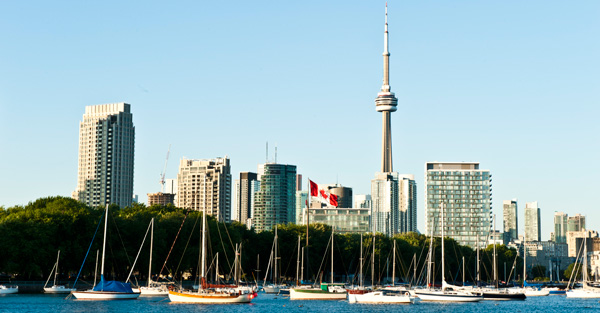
[(112, 286)]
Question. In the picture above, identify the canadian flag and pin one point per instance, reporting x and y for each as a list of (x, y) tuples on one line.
[(322, 194)]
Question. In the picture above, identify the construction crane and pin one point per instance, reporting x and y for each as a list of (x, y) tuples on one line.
[(162, 176)]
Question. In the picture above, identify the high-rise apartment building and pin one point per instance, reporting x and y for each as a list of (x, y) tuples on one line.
[(511, 225), (106, 150), (576, 223), (301, 201), (533, 226), (385, 215), (560, 227), (466, 192), (205, 184), (247, 186), (407, 193), (275, 201)]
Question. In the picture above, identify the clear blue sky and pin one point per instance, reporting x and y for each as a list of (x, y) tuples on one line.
[(514, 85)]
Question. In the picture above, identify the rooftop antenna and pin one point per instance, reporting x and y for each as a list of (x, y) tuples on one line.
[(267, 153), (275, 154)]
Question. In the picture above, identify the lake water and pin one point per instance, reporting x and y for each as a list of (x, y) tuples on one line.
[(270, 303)]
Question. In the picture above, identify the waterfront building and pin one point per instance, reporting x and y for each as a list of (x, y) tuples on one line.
[(362, 201), (106, 151), (245, 188), (466, 191), (576, 223), (407, 203), (511, 224), (275, 201), (575, 239), (161, 198), (533, 227), (560, 227), (205, 184), (343, 220)]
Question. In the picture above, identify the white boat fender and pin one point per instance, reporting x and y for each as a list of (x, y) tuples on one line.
[(407, 294)]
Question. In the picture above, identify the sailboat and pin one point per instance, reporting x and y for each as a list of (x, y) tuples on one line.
[(8, 289), (448, 293), (56, 288), (274, 287), (499, 293), (329, 291), (378, 296), (530, 291), (586, 291), (107, 289), (154, 288), (361, 287), (210, 295)]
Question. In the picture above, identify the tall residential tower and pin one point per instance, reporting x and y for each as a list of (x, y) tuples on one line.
[(511, 224), (106, 146)]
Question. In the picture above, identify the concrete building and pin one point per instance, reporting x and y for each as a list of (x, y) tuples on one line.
[(576, 223), (275, 201), (407, 202), (161, 199), (245, 188), (466, 191), (362, 202), (298, 182), (575, 241), (511, 225), (343, 220), (301, 198), (560, 227), (205, 184), (106, 151), (533, 226)]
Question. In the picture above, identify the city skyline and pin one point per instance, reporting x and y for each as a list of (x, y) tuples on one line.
[(510, 85)]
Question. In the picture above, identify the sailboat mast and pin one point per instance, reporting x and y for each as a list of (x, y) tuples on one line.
[(203, 261), (104, 243), (478, 259), (430, 261), (96, 270), (302, 266), (495, 265), (235, 268), (298, 261), (217, 269), (394, 265), (524, 258), (332, 255), (415, 268), (56, 271), (275, 259), (443, 266), (360, 277), (373, 263), (151, 245)]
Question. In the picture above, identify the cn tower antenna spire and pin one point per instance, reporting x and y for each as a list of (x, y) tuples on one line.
[(386, 103)]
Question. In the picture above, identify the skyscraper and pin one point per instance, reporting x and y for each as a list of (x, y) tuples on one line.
[(248, 185), (533, 227), (511, 225), (560, 227), (106, 149), (407, 193), (576, 223), (466, 192), (275, 201), (205, 184)]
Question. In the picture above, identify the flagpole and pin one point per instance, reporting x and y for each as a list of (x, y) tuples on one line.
[(307, 223)]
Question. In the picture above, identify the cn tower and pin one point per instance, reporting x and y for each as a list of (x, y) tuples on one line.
[(386, 103)]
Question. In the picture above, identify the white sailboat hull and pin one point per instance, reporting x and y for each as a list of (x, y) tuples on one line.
[(379, 297), (273, 288), (583, 293), (209, 297), (104, 295), (441, 296), (58, 289), (8, 290), (154, 291), (316, 294)]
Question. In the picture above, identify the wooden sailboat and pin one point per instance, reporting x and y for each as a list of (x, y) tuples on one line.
[(448, 293), (106, 289), (56, 288), (329, 291), (205, 294)]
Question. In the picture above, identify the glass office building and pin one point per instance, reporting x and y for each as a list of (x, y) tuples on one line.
[(275, 201)]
